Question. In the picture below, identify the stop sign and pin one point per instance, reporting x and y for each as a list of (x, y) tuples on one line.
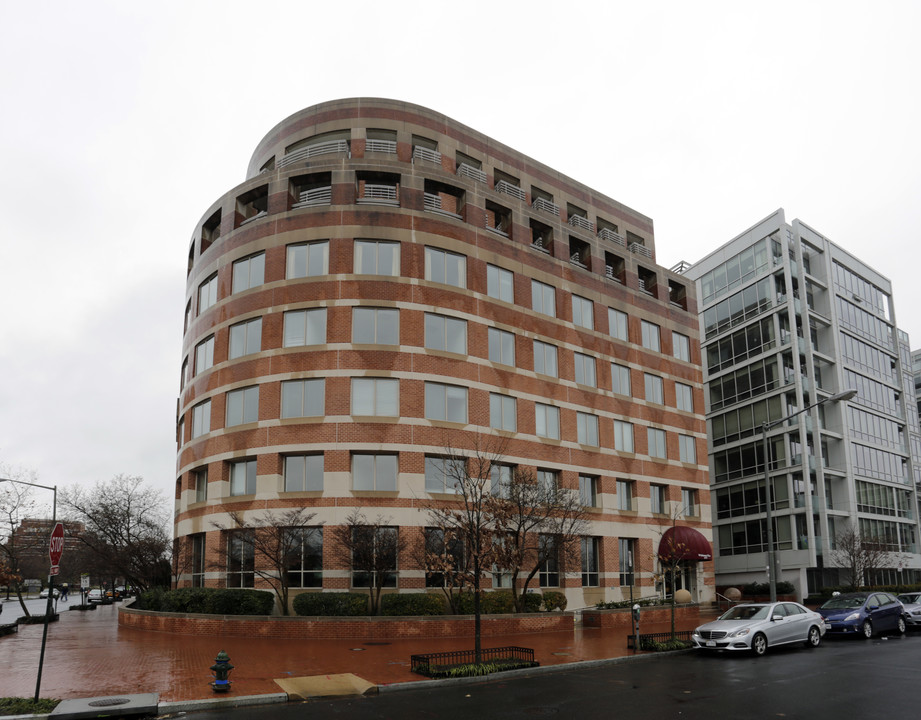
[(56, 546)]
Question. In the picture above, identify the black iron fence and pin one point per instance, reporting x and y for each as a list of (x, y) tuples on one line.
[(491, 660), (648, 641)]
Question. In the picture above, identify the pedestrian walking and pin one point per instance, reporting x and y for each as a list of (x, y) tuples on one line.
[(64, 590)]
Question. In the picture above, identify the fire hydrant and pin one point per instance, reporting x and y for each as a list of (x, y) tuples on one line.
[(221, 669)]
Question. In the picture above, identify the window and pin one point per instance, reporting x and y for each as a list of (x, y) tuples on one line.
[(589, 562), (582, 314), (503, 412), (650, 336), (548, 480), (626, 548), (500, 283), (684, 397), (620, 379), (308, 260), (588, 490), (624, 495), (689, 502), (188, 316), (374, 472), (501, 346), (305, 327), (198, 559), (243, 477), (623, 436), (200, 478), (204, 355), (376, 257), (207, 293), (655, 389), (656, 441), (445, 402), (241, 559), (201, 419), (305, 558), (501, 477), (549, 575), (681, 346), (617, 324), (446, 569), (304, 473), (445, 333), (375, 396), (543, 298), (657, 499), (245, 338), (374, 547), (443, 475), (547, 421), (587, 428), (242, 406), (249, 272), (445, 267), (379, 326), (585, 369), (303, 398), (545, 359), (687, 449)]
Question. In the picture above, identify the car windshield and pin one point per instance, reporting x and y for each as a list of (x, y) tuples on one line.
[(747, 612), (909, 598), (845, 602)]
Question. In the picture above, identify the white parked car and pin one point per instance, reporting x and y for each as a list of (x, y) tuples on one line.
[(912, 603), (44, 594), (95, 596), (756, 627)]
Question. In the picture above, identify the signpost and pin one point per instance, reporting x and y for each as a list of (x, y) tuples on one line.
[(56, 547), (55, 550)]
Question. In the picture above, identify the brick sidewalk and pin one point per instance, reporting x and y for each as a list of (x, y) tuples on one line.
[(88, 655)]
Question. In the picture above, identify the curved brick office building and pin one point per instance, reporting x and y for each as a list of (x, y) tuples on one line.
[(388, 282)]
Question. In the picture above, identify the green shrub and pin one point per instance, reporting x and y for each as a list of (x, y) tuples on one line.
[(151, 599), (554, 600), (210, 601), (621, 604), (783, 588), (341, 604), (413, 604), (531, 602)]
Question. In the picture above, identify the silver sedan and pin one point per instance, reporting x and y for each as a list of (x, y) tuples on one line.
[(755, 627)]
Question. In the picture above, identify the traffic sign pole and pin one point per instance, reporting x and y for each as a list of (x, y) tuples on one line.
[(55, 550)]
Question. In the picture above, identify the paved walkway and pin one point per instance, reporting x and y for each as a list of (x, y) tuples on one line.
[(88, 655)]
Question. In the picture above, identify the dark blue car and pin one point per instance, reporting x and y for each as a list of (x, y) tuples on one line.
[(863, 613)]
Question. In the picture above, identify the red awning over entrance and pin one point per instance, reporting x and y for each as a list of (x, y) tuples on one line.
[(684, 543)]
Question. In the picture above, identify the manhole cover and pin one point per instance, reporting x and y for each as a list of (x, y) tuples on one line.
[(108, 702), (356, 649)]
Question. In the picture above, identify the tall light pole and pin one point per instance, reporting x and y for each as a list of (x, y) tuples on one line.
[(765, 427)]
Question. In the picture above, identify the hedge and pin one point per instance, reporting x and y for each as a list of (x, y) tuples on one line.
[(783, 588), (413, 604), (340, 604), (498, 602), (208, 601)]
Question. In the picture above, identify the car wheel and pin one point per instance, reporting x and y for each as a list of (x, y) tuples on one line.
[(901, 626), (814, 638), (759, 645), (867, 629)]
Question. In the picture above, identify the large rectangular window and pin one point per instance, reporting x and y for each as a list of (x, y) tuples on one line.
[(545, 359), (204, 355), (588, 490), (200, 478), (543, 298), (308, 260), (655, 389), (377, 257), (443, 475), (689, 502), (656, 441), (681, 346), (198, 559), (650, 336), (625, 495), (623, 436), (446, 559), (445, 267), (445, 402), (445, 333), (626, 549), (379, 326), (376, 396), (207, 293), (241, 558), (374, 472), (377, 548), (549, 575), (620, 379), (587, 428), (687, 449), (305, 327), (501, 346), (245, 338), (684, 397), (584, 369), (303, 398), (582, 313), (617, 324), (500, 283), (304, 473), (243, 406), (657, 499), (201, 419), (249, 272), (243, 477), (590, 562), (503, 414), (305, 559), (547, 421)]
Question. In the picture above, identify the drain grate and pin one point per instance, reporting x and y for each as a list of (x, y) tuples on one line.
[(109, 702)]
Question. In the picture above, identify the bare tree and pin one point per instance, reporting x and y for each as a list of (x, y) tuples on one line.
[(126, 528), (441, 554), (16, 548), (371, 548), (279, 542), (858, 555)]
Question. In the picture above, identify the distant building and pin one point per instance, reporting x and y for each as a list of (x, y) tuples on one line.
[(788, 318), (916, 377), (387, 281)]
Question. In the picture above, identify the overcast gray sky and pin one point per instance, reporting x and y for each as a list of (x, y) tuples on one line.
[(122, 122)]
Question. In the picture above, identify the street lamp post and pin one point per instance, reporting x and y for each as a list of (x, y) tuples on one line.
[(765, 427), (48, 607)]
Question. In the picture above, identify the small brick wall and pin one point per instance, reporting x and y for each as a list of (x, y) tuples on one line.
[(620, 617), (367, 628)]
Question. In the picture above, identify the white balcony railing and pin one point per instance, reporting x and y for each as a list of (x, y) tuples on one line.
[(465, 170), (315, 196), (423, 153), (581, 222), (323, 148), (638, 249), (611, 236), (381, 146), (432, 203), (503, 186), (386, 194), (546, 206)]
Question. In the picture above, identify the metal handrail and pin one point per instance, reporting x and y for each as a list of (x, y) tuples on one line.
[(379, 192), (381, 146), (423, 153), (315, 196), (581, 222), (322, 148), (638, 249), (465, 170), (611, 236), (545, 205), (504, 186)]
